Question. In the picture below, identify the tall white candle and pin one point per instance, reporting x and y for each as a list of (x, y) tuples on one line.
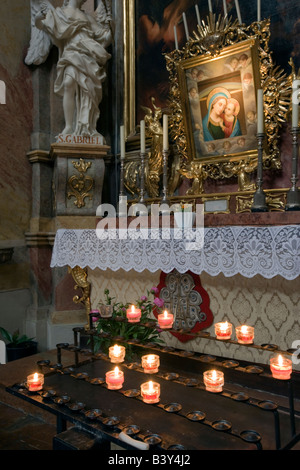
[(260, 111), (122, 139), (198, 15), (175, 37), (143, 142), (225, 8), (295, 103), (185, 26), (209, 6), (165, 133), (237, 6), (258, 10)]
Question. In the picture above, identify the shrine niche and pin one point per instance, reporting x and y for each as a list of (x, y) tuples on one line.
[(184, 295)]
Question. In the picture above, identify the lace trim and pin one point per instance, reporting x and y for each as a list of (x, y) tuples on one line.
[(268, 251)]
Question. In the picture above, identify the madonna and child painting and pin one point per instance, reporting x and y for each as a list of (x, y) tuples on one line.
[(222, 105)]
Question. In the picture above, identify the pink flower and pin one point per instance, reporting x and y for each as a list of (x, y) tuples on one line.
[(154, 290), (158, 302), (143, 298)]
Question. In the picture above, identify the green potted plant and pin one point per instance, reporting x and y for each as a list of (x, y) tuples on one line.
[(18, 346), (113, 326)]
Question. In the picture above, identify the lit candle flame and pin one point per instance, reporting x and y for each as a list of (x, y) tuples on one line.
[(165, 314), (116, 371), (224, 326), (280, 360), (117, 349), (132, 309), (151, 389), (35, 377), (214, 375), (244, 329)]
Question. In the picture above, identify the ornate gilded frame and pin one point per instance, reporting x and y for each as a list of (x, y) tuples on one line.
[(129, 104), (213, 41)]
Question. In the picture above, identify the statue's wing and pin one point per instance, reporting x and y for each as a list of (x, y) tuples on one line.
[(103, 12), (103, 16), (40, 42)]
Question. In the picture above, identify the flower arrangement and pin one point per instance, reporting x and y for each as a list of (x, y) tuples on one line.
[(145, 331)]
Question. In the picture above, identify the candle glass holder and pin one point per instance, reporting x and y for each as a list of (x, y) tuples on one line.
[(106, 311), (35, 382), (165, 320), (150, 363), (133, 314), (116, 354), (281, 367), (114, 379), (223, 330), (213, 380), (94, 317), (245, 334), (150, 392)]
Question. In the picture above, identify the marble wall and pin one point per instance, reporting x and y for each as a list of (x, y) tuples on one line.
[(15, 170)]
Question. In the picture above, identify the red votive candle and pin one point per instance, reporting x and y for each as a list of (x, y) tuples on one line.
[(35, 382), (150, 392), (114, 379), (245, 334), (150, 363), (133, 314), (165, 320), (281, 367), (213, 380), (223, 330), (116, 354)]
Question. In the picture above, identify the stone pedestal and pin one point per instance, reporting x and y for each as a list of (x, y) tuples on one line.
[(78, 178)]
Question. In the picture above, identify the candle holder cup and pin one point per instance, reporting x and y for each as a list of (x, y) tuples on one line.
[(245, 334), (223, 330), (150, 392), (133, 314), (213, 380), (165, 320), (150, 363), (116, 354), (281, 367), (114, 379), (35, 382)]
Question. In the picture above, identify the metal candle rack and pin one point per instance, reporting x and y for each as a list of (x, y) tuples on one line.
[(221, 425), (70, 407)]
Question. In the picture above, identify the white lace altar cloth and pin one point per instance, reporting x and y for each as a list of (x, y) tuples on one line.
[(231, 250)]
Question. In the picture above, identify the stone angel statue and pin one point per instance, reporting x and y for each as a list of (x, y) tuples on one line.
[(81, 39)]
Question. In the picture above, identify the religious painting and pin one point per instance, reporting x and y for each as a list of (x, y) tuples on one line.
[(149, 35), (213, 99), (219, 101), (155, 22)]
